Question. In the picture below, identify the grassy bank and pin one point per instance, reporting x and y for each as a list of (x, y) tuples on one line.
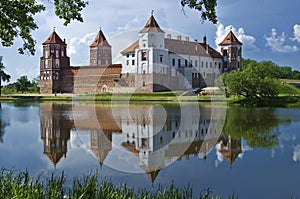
[(289, 96), (135, 97), (21, 185)]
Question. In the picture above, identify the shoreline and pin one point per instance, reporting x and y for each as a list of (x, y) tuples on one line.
[(283, 101)]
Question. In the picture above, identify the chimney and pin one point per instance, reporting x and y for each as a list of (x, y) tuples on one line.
[(168, 36), (196, 40), (179, 37), (187, 39), (204, 40)]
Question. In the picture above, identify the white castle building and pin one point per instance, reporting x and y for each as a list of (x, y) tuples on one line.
[(162, 63)]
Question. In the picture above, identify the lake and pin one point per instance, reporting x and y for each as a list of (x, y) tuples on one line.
[(252, 152)]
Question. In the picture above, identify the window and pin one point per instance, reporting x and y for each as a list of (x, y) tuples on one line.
[(186, 62), (179, 62), (204, 75), (219, 65), (132, 55), (127, 55), (206, 64), (196, 63), (210, 64), (202, 64), (132, 62), (57, 63), (173, 62), (225, 53), (160, 58), (62, 53), (144, 56), (127, 62), (144, 84)]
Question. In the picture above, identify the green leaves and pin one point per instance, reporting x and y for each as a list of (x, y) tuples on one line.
[(257, 80), (207, 8), (69, 9), (16, 19)]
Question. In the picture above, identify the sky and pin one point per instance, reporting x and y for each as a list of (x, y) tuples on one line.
[(268, 29)]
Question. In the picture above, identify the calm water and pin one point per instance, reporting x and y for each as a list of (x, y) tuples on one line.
[(252, 152)]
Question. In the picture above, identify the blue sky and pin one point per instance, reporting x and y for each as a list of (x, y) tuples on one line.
[(269, 29)]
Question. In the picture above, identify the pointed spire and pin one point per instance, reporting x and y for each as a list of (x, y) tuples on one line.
[(151, 25), (152, 175), (100, 40), (230, 39), (54, 39)]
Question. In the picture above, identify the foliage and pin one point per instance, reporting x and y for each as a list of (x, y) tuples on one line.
[(22, 84), (257, 81), (207, 8), (17, 19), (22, 185), (256, 126), (3, 75)]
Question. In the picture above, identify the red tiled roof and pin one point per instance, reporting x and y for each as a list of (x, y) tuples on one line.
[(131, 48), (100, 40), (54, 39), (230, 39), (181, 47), (212, 52), (151, 26)]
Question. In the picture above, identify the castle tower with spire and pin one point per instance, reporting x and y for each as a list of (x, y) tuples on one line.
[(53, 61), (100, 51), (231, 49)]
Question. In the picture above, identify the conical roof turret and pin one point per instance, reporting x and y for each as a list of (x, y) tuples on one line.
[(151, 26), (54, 39), (230, 39), (100, 40)]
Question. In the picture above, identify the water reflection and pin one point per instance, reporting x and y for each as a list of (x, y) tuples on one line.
[(146, 138), (150, 136), (260, 145)]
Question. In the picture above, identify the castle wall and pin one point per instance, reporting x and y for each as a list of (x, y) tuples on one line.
[(89, 79)]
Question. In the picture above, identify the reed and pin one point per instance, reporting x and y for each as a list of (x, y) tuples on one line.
[(20, 185)]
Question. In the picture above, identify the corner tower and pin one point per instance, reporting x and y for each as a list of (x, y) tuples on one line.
[(231, 50), (151, 56), (53, 61), (100, 51)]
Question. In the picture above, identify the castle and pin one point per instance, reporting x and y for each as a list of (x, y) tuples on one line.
[(152, 63)]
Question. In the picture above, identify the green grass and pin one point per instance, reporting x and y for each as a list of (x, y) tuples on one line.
[(21, 185)]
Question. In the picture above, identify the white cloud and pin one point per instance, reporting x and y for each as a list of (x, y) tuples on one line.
[(296, 33), (277, 43), (296, 156), (78, 48), (247, 40), (130, 25)]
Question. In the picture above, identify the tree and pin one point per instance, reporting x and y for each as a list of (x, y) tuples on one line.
[(252, 125), (22, 84), (207, 8), (257, 81), (16, 19), (3, 75)]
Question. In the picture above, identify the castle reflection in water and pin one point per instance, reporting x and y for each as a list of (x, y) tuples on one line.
[(155, 134)]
